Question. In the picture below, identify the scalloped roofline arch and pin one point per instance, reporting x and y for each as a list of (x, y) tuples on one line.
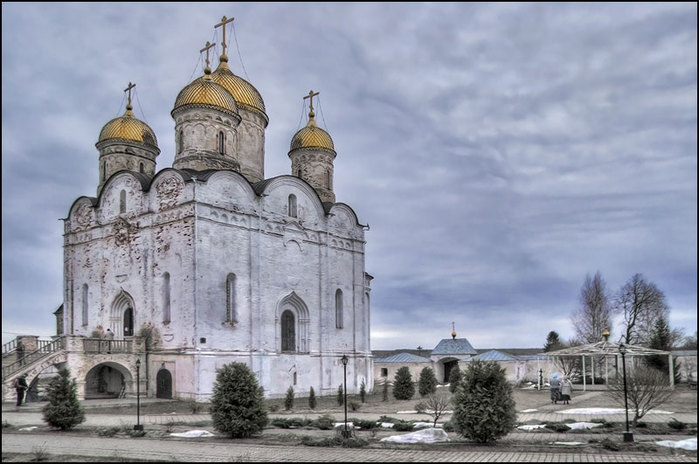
[(247, 186), (93, 202), (143, 179), (347, 207), (286, 179)]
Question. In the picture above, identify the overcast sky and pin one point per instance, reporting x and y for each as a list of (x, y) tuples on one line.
[(499, 152)]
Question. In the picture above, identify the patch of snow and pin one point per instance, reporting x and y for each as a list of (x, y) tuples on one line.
[(605, 411), (531, 427), (688, 444), (193, 434), (430, 435), (406, 412), (583, 425), (529, 410), (28, 429), (341, 425), (567, 443), (575, 425), (386, 425)]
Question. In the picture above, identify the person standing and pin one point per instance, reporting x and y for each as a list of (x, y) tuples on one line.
[(555, 384), (110, 337), (566, 390), (20, 384)]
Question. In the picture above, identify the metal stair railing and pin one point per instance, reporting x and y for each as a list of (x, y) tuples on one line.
[(45, 350), (8, 347)]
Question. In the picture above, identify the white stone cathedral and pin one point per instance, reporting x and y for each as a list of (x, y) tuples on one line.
[(220, 264)]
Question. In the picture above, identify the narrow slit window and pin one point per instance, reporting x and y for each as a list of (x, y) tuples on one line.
[(122, 201), (84, 304), (292, 206), (231, 310), (339, 322), (166, 299), (181, 142), (221, 141)]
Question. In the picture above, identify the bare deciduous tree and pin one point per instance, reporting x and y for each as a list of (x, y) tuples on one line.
[(570, 366), (593, 315), (437, 404), (640, 303), (647, 388)]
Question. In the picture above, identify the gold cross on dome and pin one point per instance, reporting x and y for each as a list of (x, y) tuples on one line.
[(208, 46), (310, 95), (223, 23), (131, 86)]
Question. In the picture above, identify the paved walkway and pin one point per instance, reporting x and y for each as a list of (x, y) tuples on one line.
[(190, 450), (559, 447)]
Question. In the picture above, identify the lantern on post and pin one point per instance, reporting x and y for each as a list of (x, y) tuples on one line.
[(345, 433), (628, 436), (138, 425)]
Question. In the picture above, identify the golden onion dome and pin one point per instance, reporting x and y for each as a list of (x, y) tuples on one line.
[(312, 136), (128, 127), (245, 95), (204, 92)]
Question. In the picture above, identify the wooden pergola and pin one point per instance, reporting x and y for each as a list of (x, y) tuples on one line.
[(607, 350)]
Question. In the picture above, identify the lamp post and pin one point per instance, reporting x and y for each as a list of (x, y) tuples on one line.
[(345, 433), (628, 436), (138, 425)]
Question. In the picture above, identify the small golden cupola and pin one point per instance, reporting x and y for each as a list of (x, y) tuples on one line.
[(250, 146), (312, 153), (126, 143), (206, 121)]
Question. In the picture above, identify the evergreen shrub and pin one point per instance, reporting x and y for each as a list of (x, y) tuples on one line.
[(428, 382), (289, 399), (454, 379), (63, 410), (484, 408), (403, 386), (312, 399), (340, 396), (237, 404)]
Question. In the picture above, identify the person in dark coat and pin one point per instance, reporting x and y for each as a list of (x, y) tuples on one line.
[(21, 386), (555, 384)]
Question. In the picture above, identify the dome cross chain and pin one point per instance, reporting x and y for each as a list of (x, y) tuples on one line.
[(223, 23), (206, 48), (128, 89), (310, 96)]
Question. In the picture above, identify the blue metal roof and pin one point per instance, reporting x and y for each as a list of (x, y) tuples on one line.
[(494, 355), (403, 358), (454, 346)]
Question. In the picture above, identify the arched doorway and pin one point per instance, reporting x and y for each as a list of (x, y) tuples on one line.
[(163, 384), (293, 323), (105, 380), (128, 322), (122, 315), (448, 366)]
